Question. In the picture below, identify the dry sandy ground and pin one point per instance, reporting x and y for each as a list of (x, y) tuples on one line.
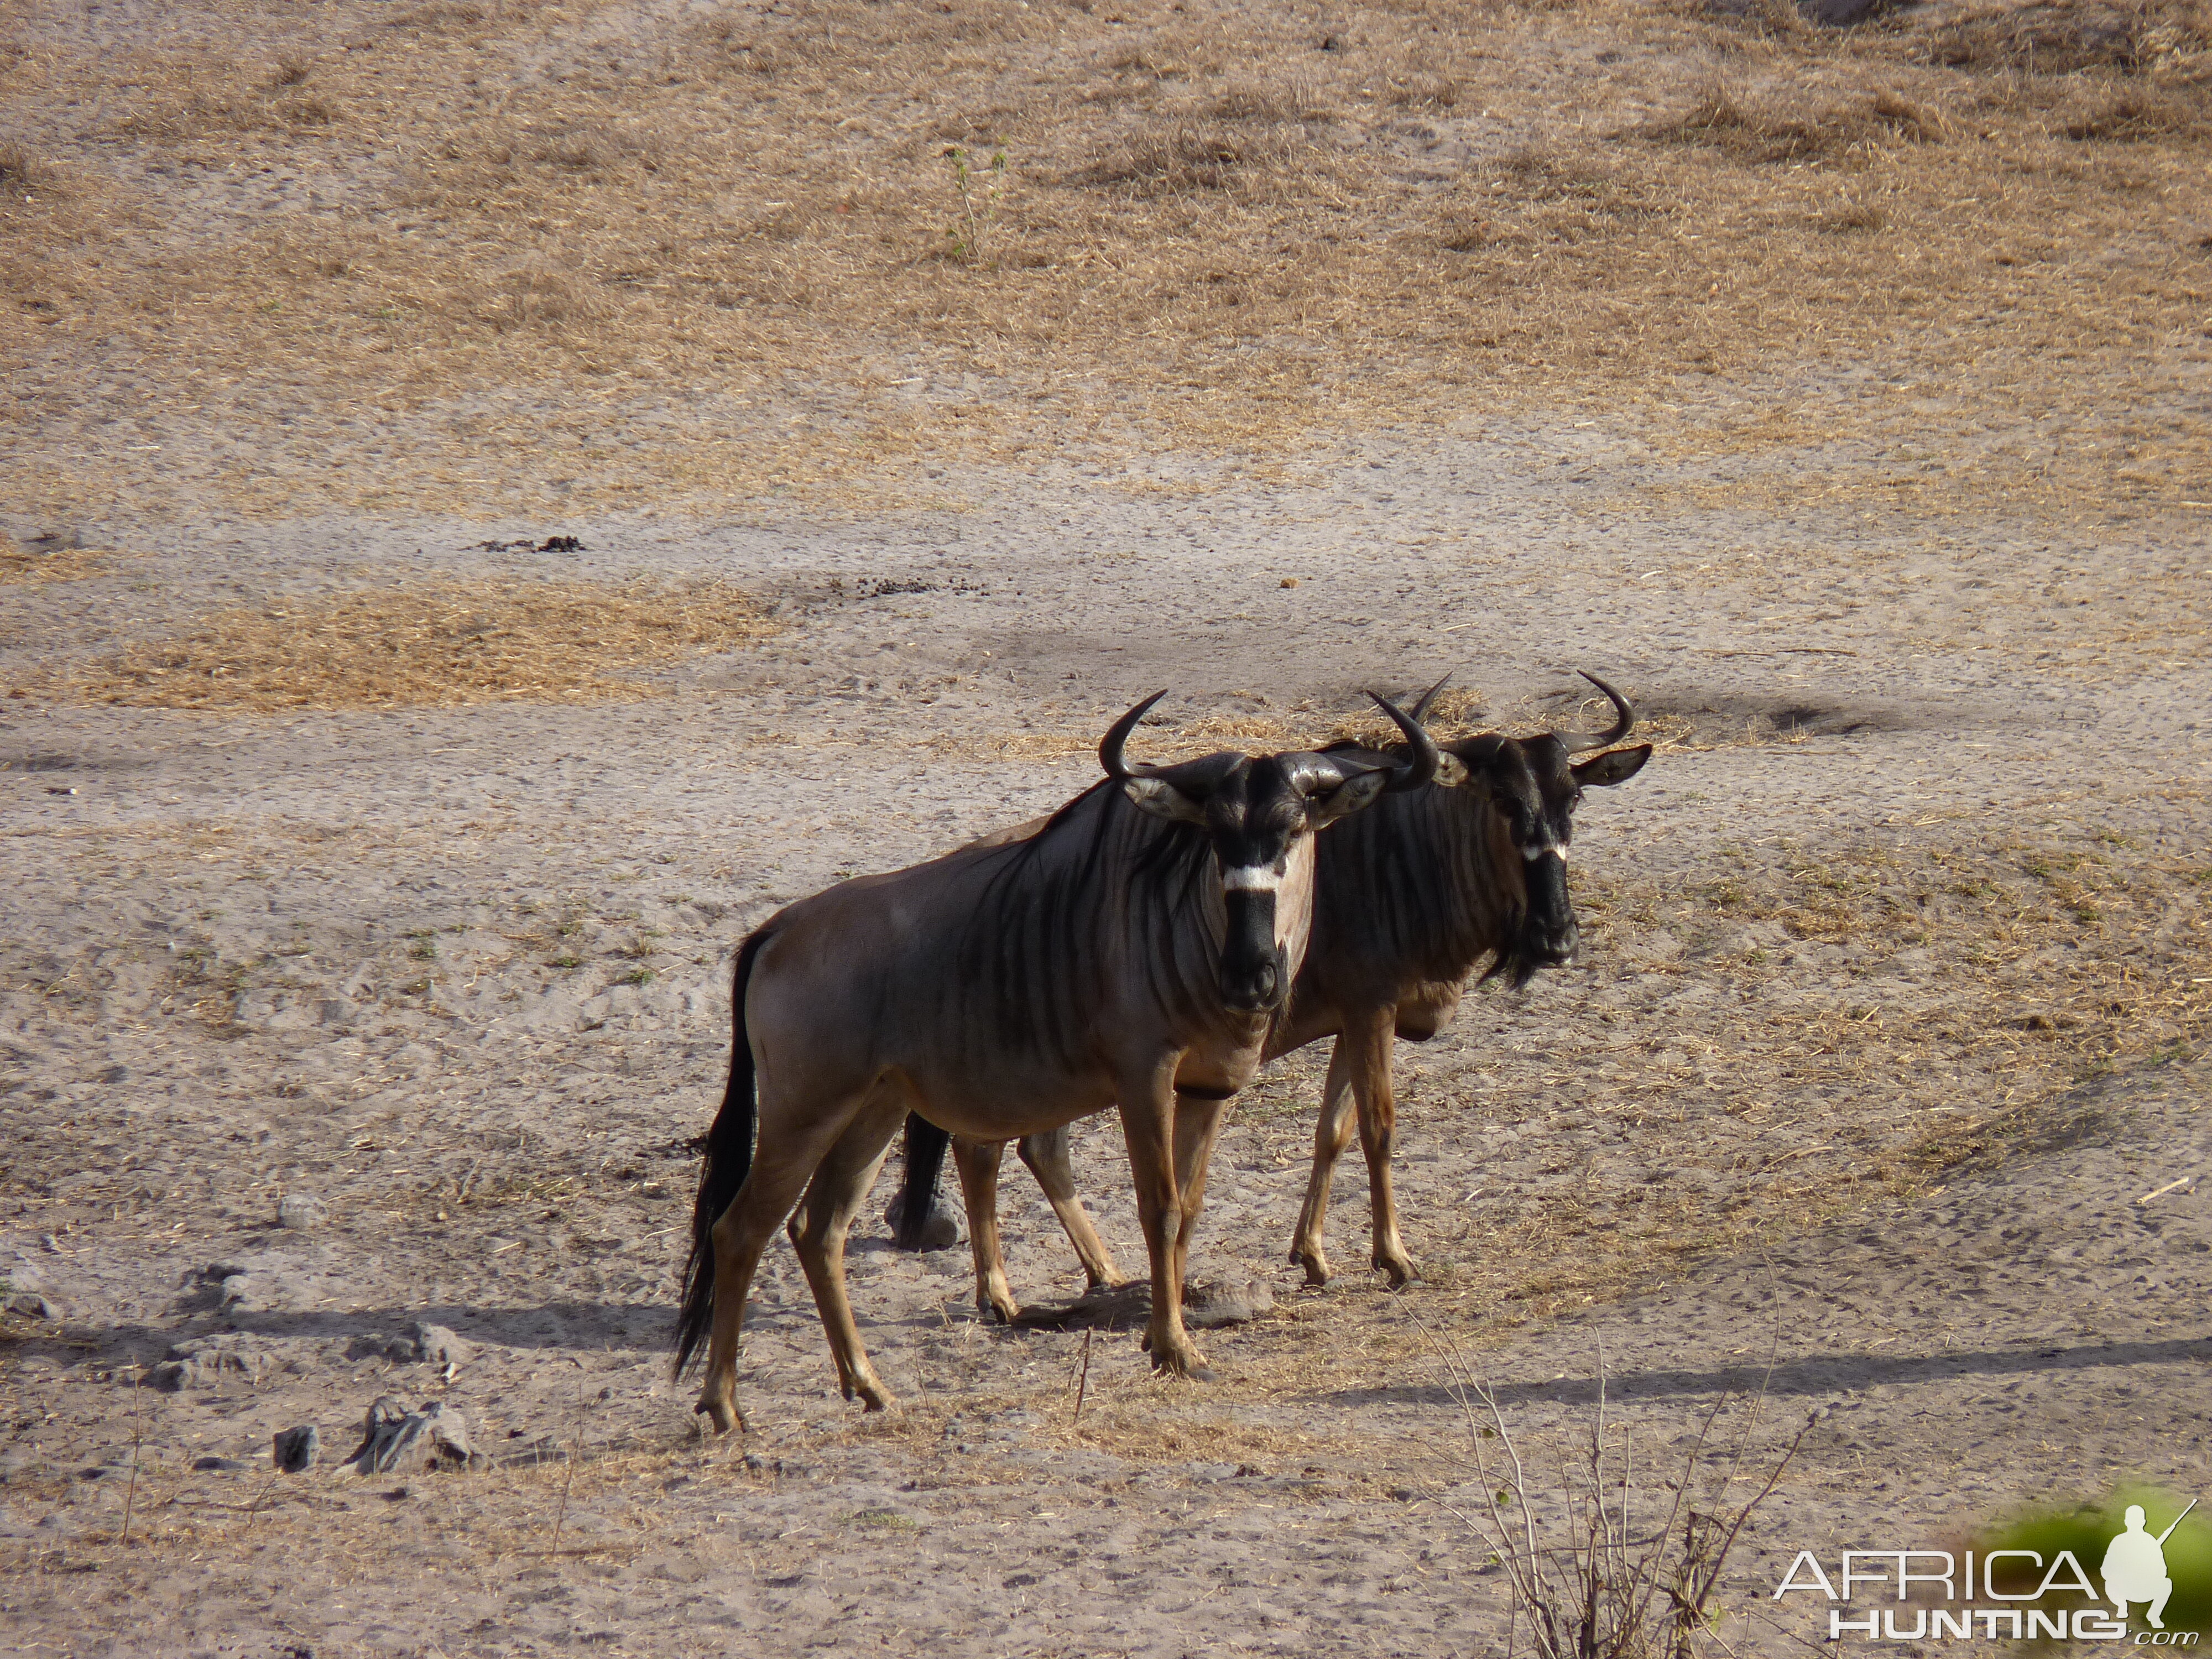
[(1852, 1074), (356, 863)]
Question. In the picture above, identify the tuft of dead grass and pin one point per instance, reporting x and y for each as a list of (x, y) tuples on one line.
[(1852, 218), (1185, 156), (20, 564), (539, 293), (2167, 38), (438, 646), (1767, 132), (2138, 116), (20, 171)]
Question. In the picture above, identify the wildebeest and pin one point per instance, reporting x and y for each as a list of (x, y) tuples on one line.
[(1409, 898), (1133, 950)]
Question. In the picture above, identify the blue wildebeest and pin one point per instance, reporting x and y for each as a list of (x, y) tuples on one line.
[(1133, 950), (1409, 899)]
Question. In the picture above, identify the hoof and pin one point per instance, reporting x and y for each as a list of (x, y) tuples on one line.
[(1188, 1362), (1317, 1266), (1402, 1273), (873, 1398), (718, 1414)]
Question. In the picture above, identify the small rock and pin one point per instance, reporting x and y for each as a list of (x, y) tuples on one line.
[(432, 1345), (206, 1360), (396, 1441), (301, 1210), (210, 1464), (940, 1230), (1209, 1307), (294, 1451)]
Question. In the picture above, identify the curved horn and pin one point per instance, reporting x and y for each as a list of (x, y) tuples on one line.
[(1421, 708), (1109, 747), (1423, 766), (1624, 720)]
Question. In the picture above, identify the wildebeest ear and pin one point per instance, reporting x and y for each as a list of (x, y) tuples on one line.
[(1359, 790), (1163, 801), (1614, 766), (1451, 770)]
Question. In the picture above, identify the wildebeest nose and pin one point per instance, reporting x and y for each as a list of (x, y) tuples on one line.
[(1254, 989)]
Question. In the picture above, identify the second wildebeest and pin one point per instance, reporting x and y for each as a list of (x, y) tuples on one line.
[(1132, 951), (1409, 900)]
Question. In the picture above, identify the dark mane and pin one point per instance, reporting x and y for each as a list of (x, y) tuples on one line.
[(1394, 899), (1027, 943)]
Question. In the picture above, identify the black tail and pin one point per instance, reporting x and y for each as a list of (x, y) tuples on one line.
[(917, 1194), (729, 1160)]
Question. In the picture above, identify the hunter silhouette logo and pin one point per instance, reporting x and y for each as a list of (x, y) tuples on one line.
[(2032, 1582), (2135, 1566)]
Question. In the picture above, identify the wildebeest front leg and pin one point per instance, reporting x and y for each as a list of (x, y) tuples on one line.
[(977, 1162), (833, 1197), (1369, 1041), (1047, 1156), (1332, 1135), (1198, 1126), (1148, 1125)]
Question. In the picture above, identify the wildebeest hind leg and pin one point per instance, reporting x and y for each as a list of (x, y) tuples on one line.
[(839, 1187), (740, 1234), (1369, 1041), (977, 1162), (1331, 1136), (1047, 1156)]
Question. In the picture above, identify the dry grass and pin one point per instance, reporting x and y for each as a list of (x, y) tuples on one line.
[(2167, 38), (1801, 132), (1213, 235), (437, 646), (20, 564), (2139, 117), (20, 171)]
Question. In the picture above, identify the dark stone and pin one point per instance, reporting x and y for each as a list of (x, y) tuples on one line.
[(208, 1465), (1128, 1307), (294, 1451)]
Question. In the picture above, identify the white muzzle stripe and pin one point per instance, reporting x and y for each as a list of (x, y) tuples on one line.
[(1252, 878)]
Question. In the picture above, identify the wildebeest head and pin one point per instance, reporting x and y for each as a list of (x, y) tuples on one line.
[(1261, 812), (1535, 789)]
